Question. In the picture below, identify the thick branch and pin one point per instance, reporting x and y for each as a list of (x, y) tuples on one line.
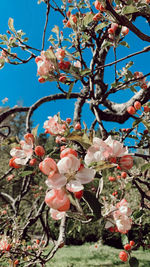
[(44, 100), (117, 112), (11, 111)]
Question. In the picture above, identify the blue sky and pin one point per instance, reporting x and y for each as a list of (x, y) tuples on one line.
[(20, 83)]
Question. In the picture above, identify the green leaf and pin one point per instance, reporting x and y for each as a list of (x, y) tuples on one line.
[(136, 122), (82, 139), (132, 88), (105, 44), (147, 124), (145, 167), (56, 30), (2, 62), (70, 90), (88, 19), (101, 26), (128, 186), (129, 9), (124, 44), (11, 24), (129, 64), (51, 38), (93, 203), (25, 173), (34, 131), (85, 72), (124, 239), (25, 39), (3, 37), (137, 214), (133, 262), (102, 165)]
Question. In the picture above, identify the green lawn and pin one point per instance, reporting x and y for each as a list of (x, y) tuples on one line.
[(89, 256)]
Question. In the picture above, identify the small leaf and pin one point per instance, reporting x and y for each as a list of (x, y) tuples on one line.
[(145, 167), (56, 30), (129, 9), (132, 88), (129, 64), (3, 37), (137, 214), (128, 186), (81, 139), (2, 62), (94, 204), (11, 24), (124, 239), (85, 72), (101, 26), (102, 165), (25, 173), (105, 44), (124, 44), (34, 131), (88, 19), (25, 39), (136, 122), (133, 262)]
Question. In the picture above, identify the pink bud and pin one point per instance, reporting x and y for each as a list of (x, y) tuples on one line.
[(137, 105), (77, 126), (131, 110)]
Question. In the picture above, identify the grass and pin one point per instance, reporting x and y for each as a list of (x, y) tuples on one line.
[(88, 255)]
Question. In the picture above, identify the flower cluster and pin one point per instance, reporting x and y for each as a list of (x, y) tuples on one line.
[(109, 150), (53, 126), (4, 244), (45, 66), (21, 154), (67, 175), (119, 220)]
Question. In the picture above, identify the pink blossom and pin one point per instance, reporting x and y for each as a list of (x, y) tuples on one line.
[(23, 153), (123, 207), (123, 224), (44, 65), (4, 245), (57, 215), (77, 64), (48, 167), (57, 199), (104, 150), (70, 174), (121, 216), (60, 54), (53, 127)]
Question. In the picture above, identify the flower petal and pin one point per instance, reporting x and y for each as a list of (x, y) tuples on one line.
[(85, 175), (74, 186)]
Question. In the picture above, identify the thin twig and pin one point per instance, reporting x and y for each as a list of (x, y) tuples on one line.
[(146, 49), (46, 22)]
